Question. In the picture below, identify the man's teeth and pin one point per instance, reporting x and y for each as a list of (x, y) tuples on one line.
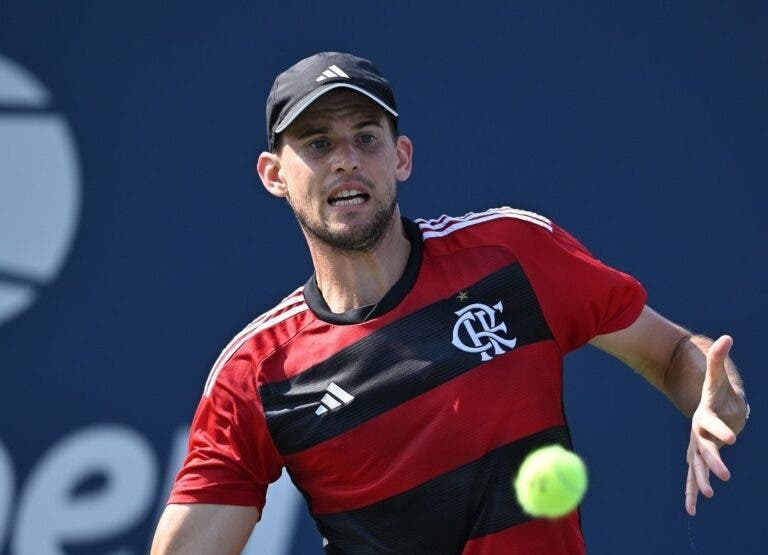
[(348, 193), (356, 200), (348, 197)]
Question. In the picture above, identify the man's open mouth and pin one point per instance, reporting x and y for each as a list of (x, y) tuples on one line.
[(348, 198)]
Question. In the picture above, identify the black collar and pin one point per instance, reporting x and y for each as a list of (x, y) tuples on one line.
[(399, 290)]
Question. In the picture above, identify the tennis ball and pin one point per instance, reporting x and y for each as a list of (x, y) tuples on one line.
[(550, 482)]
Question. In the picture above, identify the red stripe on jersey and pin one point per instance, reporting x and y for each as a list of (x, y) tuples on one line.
[(442, 429), (536, 537)]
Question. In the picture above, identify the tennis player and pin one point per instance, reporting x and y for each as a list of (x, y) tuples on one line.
[(404, 382)]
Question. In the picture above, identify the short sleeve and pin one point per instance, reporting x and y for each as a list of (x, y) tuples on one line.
[(581, 297), (231, 457)]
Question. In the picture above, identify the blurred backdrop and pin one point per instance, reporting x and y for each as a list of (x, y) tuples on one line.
[(136, 240)]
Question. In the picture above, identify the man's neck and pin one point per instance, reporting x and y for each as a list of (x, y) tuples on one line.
[(352, 280)]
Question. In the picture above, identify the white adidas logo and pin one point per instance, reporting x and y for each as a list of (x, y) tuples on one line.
[(334, 398), (332, 71)]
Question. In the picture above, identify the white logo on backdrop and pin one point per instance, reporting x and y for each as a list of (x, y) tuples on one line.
[(39, 189), (39, 212)]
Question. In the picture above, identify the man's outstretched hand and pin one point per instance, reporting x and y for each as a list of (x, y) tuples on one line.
[(718, 419)]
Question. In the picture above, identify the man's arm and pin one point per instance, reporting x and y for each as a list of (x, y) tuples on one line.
[(696, 374), (199, 529)]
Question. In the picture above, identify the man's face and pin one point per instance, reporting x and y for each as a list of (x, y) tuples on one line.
[(339, 165)]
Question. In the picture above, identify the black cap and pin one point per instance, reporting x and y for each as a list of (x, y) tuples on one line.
[(300, 85)]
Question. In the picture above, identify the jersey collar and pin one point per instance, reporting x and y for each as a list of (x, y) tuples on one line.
[(400, 289)]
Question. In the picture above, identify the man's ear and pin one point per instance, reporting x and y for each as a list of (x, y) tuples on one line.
[(268, 168), (404, 158)]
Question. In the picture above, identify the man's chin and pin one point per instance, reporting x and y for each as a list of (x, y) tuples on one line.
[(351, 234), (350, 237), (352, 242)]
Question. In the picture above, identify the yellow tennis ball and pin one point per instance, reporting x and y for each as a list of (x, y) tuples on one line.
[(551, 482)]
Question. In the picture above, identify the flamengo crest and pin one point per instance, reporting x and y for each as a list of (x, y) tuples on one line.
[(476, 331)]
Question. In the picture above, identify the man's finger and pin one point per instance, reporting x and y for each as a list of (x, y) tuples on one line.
[(716, 356), (701, 474), (710, 454), (691, 492), (711, 423)]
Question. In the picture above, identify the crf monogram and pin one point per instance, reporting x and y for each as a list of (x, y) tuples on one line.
[(486, 338)]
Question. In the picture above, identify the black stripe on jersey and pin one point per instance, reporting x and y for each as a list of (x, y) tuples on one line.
[(397, 362), (479, 494)]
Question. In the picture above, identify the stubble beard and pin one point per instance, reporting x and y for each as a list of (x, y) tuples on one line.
[(358, 240)]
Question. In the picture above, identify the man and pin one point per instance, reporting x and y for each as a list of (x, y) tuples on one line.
[(404, 383)]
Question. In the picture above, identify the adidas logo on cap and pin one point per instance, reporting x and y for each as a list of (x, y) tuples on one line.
[(332, 71)]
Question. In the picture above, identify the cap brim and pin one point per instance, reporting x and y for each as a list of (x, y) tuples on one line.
[(304, 103)]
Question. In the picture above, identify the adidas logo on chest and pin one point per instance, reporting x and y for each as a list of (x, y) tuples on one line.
[(334, 398)]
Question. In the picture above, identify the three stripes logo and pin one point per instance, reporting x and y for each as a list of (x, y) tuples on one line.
[(334, 398), (331, 72)]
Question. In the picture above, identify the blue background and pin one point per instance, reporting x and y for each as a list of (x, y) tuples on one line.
[(638, 126)]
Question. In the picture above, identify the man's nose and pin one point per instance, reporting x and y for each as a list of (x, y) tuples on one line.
[(345, 157)]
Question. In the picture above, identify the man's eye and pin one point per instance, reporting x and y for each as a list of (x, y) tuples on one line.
[(367, 139), (319, 144)]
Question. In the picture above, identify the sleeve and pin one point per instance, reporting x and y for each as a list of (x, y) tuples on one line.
[(581, 297), (231, 457)]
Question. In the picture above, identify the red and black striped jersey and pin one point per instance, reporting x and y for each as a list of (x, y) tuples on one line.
[(403, 423)]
